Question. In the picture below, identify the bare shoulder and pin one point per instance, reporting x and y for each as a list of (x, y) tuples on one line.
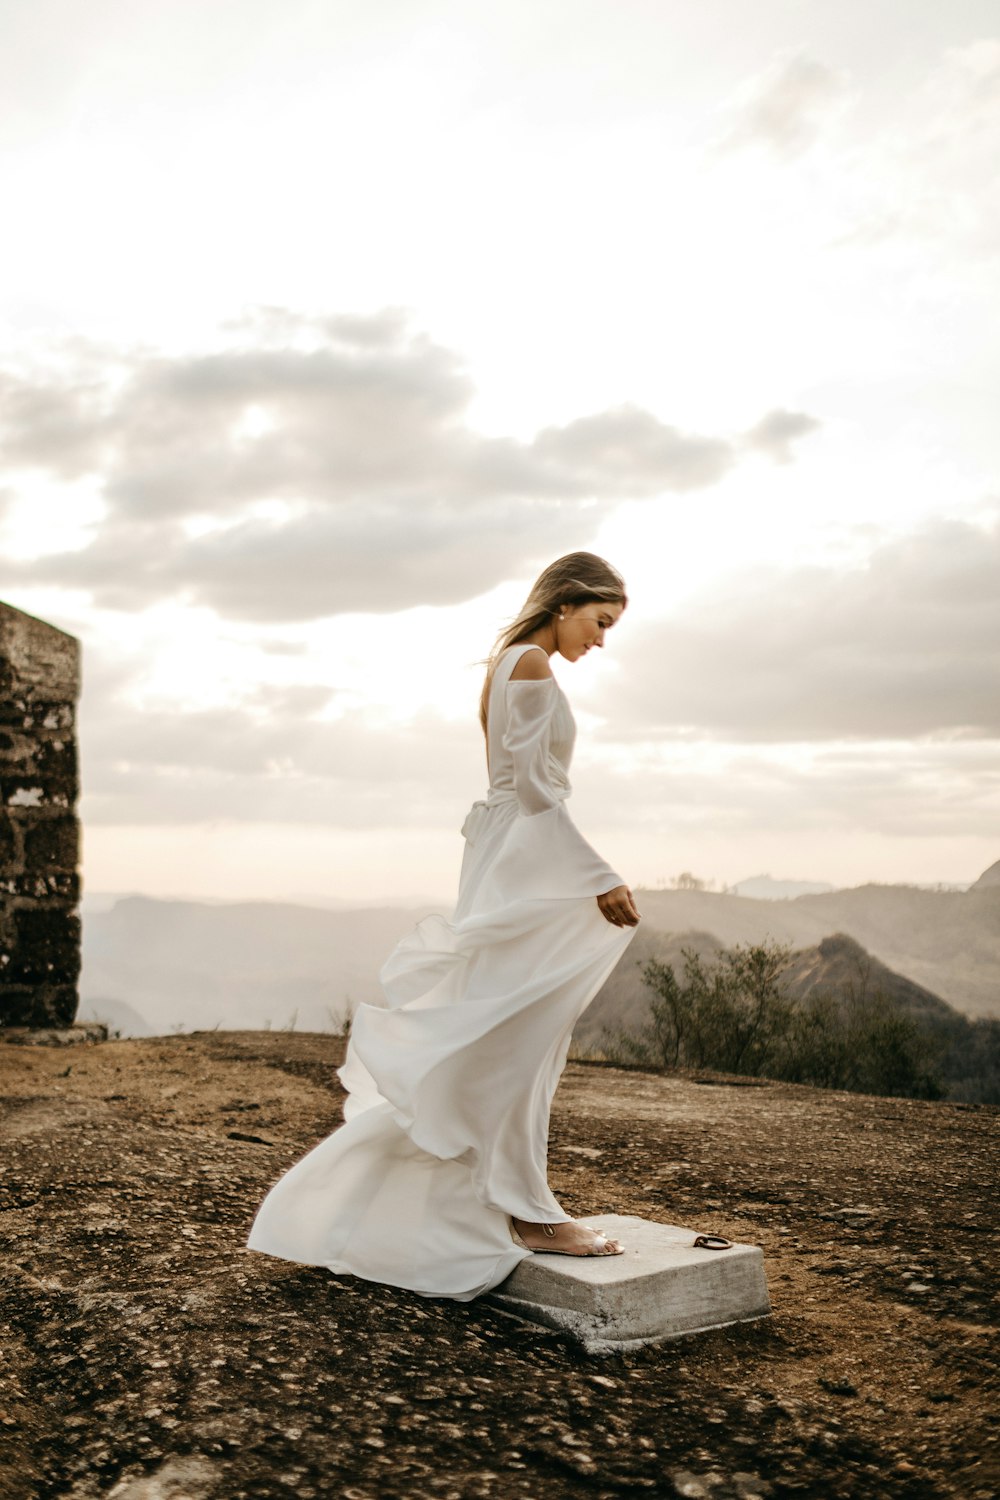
[(532, 666)]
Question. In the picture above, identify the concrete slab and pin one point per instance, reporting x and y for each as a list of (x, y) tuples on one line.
[(660, 1288)]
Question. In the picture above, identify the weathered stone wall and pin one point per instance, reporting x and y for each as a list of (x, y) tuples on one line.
[(39, 833)]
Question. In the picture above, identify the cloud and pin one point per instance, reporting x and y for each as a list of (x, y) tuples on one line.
[(931, 175), (908, 645), (788, 107), (275, 757), (719, 721), (370, 557), (269, 759), (775, 433), (634, 453), (758, 794), (317, 465)]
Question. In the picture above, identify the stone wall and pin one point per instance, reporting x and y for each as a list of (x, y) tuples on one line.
[(39, 832)]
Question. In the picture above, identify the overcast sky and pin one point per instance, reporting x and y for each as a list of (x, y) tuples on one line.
[(326, 326)]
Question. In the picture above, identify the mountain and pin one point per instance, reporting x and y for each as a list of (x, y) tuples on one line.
[(964, 1055), (764, 888), (831, 966), (188, 964), (118, 1016), (946, 941), (839, 964), (254, 964)]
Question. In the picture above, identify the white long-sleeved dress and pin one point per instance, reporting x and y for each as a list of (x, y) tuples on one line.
[(451, 1080)]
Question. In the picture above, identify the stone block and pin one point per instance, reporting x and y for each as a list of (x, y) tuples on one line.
[(27, 790), (19, 709), (661, 1288), (46, 947), (16, 749), (55, 757), (8, 842), (51, 844), (40, 654), (53, 887), (37, 1005)]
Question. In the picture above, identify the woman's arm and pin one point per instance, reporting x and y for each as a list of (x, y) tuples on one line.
[(530, 706), (531, 701)]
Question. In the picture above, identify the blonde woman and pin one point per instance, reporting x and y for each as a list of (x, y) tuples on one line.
[(437, 1179)]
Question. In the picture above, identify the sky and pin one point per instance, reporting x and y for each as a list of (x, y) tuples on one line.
[(324, 327)]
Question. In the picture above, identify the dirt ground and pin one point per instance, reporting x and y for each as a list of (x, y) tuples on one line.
[(147, 1355)]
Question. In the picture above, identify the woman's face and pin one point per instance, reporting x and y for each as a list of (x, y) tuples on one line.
[(582, 627)]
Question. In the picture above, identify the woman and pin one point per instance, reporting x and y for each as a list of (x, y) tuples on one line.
[(437, 1179)]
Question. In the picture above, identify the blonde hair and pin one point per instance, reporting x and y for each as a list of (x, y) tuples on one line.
[(577, 578)]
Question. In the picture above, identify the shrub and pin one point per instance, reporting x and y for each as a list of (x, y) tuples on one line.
[(737, 1017)]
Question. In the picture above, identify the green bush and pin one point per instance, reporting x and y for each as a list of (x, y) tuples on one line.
[(736, 1017)]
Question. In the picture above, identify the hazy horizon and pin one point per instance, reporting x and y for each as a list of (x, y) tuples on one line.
[(298, 396), (423, 898)]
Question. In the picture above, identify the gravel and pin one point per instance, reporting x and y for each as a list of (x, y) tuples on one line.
[(146, 1355)]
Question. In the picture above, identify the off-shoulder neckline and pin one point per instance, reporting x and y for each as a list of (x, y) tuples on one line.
[(528, 646)]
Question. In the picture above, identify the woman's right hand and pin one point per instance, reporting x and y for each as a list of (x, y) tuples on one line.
[(618, 907)]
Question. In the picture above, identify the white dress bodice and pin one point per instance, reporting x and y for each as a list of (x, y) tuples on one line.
[(530, 735)]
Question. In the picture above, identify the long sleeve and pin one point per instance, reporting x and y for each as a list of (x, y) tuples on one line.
[(543, 855), (530, 706)]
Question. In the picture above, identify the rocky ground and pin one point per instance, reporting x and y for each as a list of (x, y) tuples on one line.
[(147, 1356)]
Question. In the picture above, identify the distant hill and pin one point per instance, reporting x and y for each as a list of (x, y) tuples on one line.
[(764, 888), (254, 964), (946, 941), (840, 963), (188, 964), (118, 1016), (834, 963), (966, 1054)]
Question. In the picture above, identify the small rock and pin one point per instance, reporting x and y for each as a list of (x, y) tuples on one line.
[(717, 1486), (751, 1486), (693, 1486), (178, 1479), (838, 1387)]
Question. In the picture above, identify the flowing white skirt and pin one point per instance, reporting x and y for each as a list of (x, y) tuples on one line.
[(450, 1082)]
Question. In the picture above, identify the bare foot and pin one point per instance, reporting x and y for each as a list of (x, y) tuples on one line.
[(569, 1238)]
